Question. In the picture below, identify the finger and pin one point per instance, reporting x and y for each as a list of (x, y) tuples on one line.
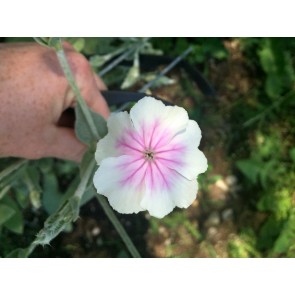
[(65, 145), (98, 104), (68, 46), (99, 83), (88, 83)]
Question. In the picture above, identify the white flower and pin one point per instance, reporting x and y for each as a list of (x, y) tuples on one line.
[(150, 159)]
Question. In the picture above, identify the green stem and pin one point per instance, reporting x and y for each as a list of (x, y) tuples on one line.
[(118, 226), (67, 213), (76, 199), (12, 168), (68, 73)]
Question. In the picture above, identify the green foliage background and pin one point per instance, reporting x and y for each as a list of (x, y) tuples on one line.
[(261, 149)]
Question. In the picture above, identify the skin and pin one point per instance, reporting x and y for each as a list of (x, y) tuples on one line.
[(35, 98)]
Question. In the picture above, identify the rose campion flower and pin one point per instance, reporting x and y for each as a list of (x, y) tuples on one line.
[(150, 160)]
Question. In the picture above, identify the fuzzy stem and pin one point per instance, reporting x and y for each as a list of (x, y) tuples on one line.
[(118, 226), (68, 73)]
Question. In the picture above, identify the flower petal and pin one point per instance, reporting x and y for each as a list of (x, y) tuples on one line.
[(190, 137), (121, 181), (185, 191), (165, 189), (182, 154), (122, 138), (157, 123)]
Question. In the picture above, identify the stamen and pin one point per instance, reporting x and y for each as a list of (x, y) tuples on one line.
[(149, 154)]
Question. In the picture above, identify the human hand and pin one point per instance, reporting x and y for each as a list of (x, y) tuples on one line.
[(34, 95)]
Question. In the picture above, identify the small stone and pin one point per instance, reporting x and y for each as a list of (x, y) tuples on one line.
[(231, 180), (163, 232), (227, 214), (167, 242), (211, 233), (99, 241), (95, 231), (222, 185), (213, 219)]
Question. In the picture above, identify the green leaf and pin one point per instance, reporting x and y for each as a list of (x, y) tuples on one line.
[(162, 81), (87, 159), (32, 178), (55, 42), (15, 223), (54, 224), (133, 74), (10, 173), (45, 164), (21, 195), (100, 60), (79, 44), (292, 154), (269, 232), (51, 196), (18, 253), (81, 127), (42, 41), (6, 213), (273, 85), (267, 59), (286, 238), (249, 168), (3, 191), (88, 194)]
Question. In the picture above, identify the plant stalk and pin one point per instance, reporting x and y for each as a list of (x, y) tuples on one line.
[(69, 75), (118, 226)]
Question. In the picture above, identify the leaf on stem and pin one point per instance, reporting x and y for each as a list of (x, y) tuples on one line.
[(82, 129), (133, 74)]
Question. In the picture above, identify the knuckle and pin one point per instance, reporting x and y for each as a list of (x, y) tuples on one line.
[(67, 45), (79, 64), (83, 75)]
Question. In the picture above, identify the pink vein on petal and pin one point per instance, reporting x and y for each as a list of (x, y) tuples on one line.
[(161, 159), (132, 135), (179, 148), (131, 176), (161, 173), (122, 165), (121, 143), (163, 140), (152, 134)]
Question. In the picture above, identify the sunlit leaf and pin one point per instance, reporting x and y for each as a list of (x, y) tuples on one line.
[(133, 74), (292, 154), (32, 178), (286, 238)]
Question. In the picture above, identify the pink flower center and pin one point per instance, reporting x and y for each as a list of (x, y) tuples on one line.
[(152, 154)]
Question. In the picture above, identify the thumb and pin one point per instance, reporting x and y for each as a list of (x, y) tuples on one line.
[(65, 145)]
